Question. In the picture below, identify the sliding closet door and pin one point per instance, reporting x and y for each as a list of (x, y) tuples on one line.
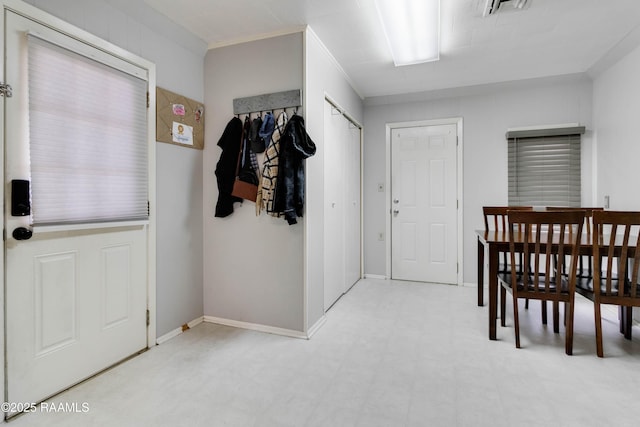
[(342, 205), (352, 204), (334, 209)]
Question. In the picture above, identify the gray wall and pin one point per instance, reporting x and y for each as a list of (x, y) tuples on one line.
[(253, 266), (487, 112), (179, 58)]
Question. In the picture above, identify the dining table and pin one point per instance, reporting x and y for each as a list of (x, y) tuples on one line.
[(497, 241)]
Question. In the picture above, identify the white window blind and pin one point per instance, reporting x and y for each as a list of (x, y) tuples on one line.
[(88, 139), (544, 170)]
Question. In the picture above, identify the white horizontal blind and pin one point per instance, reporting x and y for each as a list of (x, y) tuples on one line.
[(544, 171), (88, 139)]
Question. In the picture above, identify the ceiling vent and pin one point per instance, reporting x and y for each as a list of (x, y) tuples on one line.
[(494, 6)]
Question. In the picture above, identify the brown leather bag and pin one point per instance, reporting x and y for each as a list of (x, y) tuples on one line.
[(245, 190)]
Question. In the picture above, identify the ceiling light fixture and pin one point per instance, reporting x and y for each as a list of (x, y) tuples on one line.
[(412, 28)]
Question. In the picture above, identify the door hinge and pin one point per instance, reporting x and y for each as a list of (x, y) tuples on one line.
[(148, 318), (148, 101), (6, 90), (148, 208)]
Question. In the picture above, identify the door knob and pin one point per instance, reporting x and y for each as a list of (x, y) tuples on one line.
[(22, 233), (396, 211), (396, 201)]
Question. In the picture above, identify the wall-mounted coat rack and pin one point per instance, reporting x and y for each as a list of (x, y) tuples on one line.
[(268, 102)]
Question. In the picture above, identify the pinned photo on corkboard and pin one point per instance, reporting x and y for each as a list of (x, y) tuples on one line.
[(179, 120)]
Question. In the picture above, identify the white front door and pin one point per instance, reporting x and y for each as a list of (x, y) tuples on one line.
[(76, 294), (424, 204)]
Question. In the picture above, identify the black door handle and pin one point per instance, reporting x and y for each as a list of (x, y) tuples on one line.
[(22, 233)]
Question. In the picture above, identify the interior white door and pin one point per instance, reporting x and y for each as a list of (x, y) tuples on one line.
[(342, 205), (76, 295), (352, 192), (334, 209), (424, 204)]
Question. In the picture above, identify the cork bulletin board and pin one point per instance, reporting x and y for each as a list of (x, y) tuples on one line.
[(179, 120)]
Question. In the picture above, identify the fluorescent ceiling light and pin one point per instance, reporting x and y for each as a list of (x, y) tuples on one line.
[(412, 28)]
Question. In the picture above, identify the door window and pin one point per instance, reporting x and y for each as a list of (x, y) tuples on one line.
[(87, 137)]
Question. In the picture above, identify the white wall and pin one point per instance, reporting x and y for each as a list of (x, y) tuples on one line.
[(253, 266), (616, 109), (487, 112), (323, 78), (179, 57)]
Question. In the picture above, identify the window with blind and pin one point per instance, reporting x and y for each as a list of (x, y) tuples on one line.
[(544, 167), (87, 138)]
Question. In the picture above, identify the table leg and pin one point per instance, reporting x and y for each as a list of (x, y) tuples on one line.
[(480, 273), (493, 291)]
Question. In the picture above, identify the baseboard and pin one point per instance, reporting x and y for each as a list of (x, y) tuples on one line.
[(174, 333), (256, 327), (375, 276), (312, 330)]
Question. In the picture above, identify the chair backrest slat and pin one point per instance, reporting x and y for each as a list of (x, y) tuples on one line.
[(547, 258)]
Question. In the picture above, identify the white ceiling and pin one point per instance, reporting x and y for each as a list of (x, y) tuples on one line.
[(548, 38)]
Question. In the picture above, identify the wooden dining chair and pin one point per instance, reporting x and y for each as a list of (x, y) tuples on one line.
[(544, 234), (584, 273), (497, 216), (616, 261)]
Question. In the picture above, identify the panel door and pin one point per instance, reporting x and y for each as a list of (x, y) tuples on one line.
[(334, 210), (76, 295), (352, 192), (342, 205), (424, 204)]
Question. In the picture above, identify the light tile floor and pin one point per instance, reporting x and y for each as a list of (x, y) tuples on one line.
[(390, 354)]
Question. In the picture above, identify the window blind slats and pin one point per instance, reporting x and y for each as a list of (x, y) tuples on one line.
[(545, 171), (88, 139)]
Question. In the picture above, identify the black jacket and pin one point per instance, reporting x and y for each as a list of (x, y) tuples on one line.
[(295, 146), (226, 167)]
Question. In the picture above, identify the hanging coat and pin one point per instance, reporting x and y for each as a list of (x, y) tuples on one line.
[(226, 167), (295, 147), (270, 168)]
